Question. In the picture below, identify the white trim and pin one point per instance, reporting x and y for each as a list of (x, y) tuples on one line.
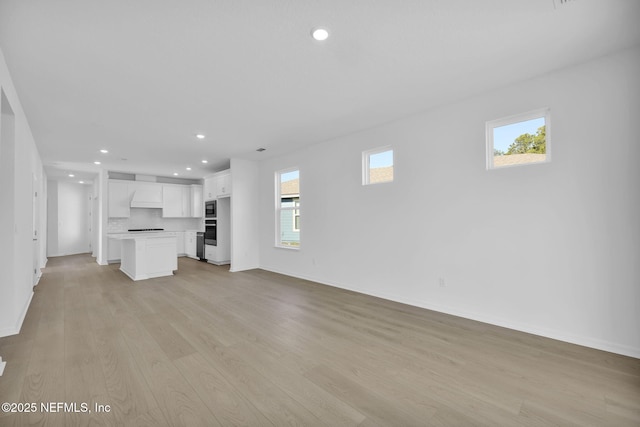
[(517, 118), (145, 276), (496, 321), (38, 277), (293, 212), (227, 262), (2, 365), (16, 329), (290, 248)]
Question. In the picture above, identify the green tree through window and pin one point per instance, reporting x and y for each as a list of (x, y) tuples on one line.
[(528, 143)]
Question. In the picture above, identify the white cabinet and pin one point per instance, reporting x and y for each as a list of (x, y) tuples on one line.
[(190, 244), (182, 201), (209, 252), (196, 202), (217, 185), (215, 255), (209, 189), (114, 250), (171, 201), (223, 183), (176, 201), (222, 254), (144, 257), (179, 235), (119, 199), (180, 243)]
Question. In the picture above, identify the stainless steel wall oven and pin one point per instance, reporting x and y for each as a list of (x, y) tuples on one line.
[(210, 232)]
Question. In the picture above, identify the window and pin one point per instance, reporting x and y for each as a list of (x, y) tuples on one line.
[(519, 140), (288, 208), (377, 166), (296, 215)]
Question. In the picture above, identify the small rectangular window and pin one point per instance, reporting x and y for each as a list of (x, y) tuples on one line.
[(377, 166), (288, 208), (519, 140)]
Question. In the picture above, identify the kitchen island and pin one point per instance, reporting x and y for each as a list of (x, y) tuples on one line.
[(147, 255)]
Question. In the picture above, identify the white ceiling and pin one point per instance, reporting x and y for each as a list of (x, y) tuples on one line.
[(140, 78)]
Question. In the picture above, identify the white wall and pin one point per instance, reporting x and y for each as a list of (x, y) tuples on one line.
[(68, 218), (20, 163), (244, 220), (551, 249), (95, 219), (7, 213), (103, 217), (52, 218), (43, 231)]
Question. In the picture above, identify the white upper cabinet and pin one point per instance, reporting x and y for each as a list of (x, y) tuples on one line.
[(197, 201), (223, 183), (119, 199), (217, 185), (176, 201), (182, 201), (209, 189)]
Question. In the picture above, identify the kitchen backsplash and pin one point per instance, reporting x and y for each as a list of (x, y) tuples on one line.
[(152, 218)]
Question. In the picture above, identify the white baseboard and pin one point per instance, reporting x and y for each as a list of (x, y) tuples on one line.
[(210, 261), (13, 330), (38, 277), (505, 323)]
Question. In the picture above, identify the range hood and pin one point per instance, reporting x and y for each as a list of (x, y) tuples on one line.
[(150, 197)]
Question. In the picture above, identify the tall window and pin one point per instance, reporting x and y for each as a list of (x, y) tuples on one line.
[(519, 140), (296, 215), (288, 208), (377, 166)]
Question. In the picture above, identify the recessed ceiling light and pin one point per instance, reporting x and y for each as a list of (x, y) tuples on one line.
[(200, 135), (320, 34), (205, 161), (175, 174), (104, 151), (188, 169), (81, 182), (96, 163), (71, 175)]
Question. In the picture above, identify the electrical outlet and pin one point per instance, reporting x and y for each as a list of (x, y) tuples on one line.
[(441, 282)]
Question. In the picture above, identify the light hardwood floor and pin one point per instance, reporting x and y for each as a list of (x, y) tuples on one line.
[(208, 347)]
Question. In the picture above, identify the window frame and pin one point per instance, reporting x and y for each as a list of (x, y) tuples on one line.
[(296, 214), (366, 164), (513, 119), (279, 209)]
